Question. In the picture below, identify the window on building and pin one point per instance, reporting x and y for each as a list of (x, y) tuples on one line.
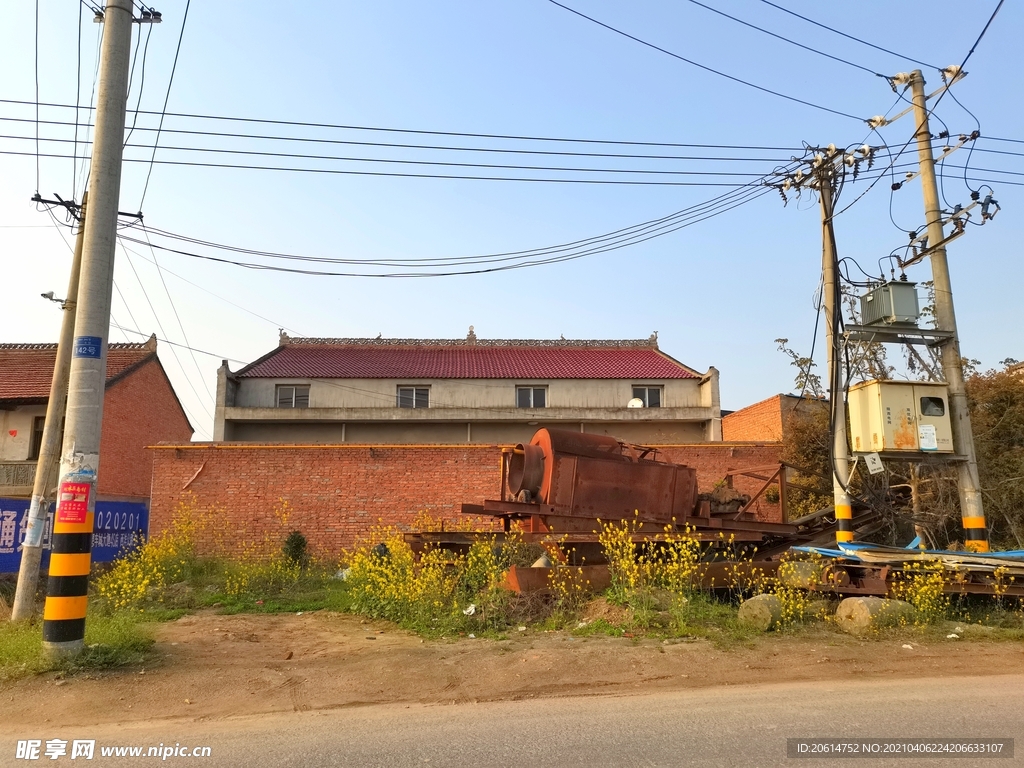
[(932, 406), (37, 436), (292, 396), (650, 395), (38, 424), (413, 397), (531, 397)]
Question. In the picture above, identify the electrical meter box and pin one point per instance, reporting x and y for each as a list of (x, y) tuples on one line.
[(903, 416), (892, 303)]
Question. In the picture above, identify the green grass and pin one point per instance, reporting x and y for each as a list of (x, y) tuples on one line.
[(113, 641), (308, 595), (598, 627)]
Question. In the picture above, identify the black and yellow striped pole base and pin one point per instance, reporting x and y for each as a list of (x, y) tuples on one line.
[(844, 519), (70, 560), (975, 534)]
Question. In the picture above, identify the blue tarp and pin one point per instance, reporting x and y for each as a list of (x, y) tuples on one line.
[(118, 526)]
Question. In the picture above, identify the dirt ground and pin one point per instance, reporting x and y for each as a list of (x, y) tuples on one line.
[(207, 666)]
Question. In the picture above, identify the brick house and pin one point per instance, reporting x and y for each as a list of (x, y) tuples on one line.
[(458, 391), (140, 408)]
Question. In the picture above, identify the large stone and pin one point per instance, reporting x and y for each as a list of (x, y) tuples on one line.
[(858, 615), (761, 612)]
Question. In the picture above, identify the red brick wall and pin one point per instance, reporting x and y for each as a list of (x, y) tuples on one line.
[(713, 460), (336, 494), (760, 422), (138, 411)]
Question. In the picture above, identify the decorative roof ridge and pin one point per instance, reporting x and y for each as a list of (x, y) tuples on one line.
[(140, 346), (649, 343)]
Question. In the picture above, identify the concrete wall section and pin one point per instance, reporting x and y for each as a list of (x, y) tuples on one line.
[(470, 393), (454, 432), (16, 431)]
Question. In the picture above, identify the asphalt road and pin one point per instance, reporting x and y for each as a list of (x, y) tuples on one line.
[(727, 726)]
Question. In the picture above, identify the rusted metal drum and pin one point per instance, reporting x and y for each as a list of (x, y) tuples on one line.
[(596, 476)]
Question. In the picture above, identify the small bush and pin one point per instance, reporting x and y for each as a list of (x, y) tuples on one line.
[(166, 559), (294, 549), (922, 584), (441, 592), (637, 569)]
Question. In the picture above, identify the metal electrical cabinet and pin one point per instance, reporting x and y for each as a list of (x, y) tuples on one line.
[(903, 416)]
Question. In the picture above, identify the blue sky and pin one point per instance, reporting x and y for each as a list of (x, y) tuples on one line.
[(718, 293)]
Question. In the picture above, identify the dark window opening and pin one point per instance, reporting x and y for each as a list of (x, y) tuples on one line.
[(933, 406), (38, 424), (531, 397), (292, 396), (651, 396), (37, 436), (413, 397)]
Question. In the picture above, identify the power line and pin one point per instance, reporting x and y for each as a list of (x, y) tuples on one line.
[(624, 233), (125, 302), (182, 346), (338, 126), (758, 192), (37, 95), (167, 96), (490, 166), (787, 40), (162, 268), (849, 37), (92, 106), (935, 106), (984, 170), (442, 147), (177, 317), (393, 174), (978, 41), (159, 325), (78, 97), (706, 68), (142, 80), (140, 333)]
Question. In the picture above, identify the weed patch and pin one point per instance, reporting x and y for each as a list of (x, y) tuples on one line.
[(110, 641)]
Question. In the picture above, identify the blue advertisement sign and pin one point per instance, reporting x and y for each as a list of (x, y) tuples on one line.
[(117, 528)]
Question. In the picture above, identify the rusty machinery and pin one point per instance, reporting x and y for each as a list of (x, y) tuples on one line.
[(561, 485), (564, 483), (580, 478)]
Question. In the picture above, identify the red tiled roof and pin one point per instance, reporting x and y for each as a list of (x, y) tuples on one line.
[(531, 360), (26, 369)]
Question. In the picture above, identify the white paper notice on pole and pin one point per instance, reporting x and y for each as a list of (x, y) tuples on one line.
[(874, 463), (926, 434)]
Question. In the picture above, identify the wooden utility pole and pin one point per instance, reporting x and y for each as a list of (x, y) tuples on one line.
[(49, 449), (971, 509), (71, 543), (840, 464)]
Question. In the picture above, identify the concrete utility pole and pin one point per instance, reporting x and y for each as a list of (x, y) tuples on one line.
[(71, 545), (49, 450), (971, 509), (837, 402)]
